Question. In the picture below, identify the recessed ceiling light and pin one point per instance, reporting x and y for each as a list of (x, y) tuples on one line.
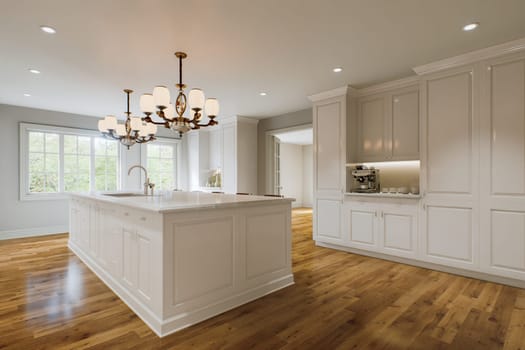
[(34, 71), (48, 29), (337, 69), (27, 95), (471, 26), (263, 93)]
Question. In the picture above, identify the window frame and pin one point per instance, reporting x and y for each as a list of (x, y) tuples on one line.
[(25, 129), (177, 154)]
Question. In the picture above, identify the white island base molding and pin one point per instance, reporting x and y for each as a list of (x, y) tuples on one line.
[(177, 268)]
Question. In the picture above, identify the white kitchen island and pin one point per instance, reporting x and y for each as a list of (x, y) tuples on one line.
[(183, 257)]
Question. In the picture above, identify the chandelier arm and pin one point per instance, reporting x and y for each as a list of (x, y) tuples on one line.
[(148, 119)]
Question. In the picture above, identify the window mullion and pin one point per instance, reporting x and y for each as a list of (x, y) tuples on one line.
[(92, 185), (61, 182)]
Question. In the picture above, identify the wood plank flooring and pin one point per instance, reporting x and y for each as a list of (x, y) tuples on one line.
[(50, 300)]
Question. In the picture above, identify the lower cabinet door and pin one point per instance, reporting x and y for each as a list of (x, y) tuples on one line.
[(398, 229), (362, 226), (449, 236), (328, 221)]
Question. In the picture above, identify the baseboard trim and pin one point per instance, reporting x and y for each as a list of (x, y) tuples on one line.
[(428, 265), (33, 232)]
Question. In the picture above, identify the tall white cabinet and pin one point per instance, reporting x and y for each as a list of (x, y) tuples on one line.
[(329, 125), (502, 171), (450, 161), (231, 147)]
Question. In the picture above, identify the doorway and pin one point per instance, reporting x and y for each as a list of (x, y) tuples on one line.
[(290, 164)]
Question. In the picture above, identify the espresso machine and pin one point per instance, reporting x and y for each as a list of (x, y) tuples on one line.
[(365, 179)]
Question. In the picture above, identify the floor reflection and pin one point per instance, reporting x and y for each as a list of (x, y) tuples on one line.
[(54, 294)]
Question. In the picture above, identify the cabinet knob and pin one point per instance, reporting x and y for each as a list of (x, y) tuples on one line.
[(143, 218)]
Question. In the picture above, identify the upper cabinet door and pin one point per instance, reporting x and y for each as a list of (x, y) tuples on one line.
[(405, 126), (329, 155), (371, 129), (449, 134)]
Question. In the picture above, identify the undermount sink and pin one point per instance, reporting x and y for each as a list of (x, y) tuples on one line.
[(122, 194)]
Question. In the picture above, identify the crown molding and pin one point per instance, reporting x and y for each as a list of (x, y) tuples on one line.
[(389, 85), (342, 91), (239, 119), (471, 57)]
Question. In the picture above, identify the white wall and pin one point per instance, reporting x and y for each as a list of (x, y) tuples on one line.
[(19, 218), (291, 158), (308, 175)]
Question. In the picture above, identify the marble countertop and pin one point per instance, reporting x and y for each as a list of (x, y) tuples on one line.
[(180, 201)]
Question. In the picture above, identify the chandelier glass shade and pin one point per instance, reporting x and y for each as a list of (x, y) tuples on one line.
[(134, 130), (172, 115)]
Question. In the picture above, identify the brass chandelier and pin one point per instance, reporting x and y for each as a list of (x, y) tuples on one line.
[(160, 100), (134, 130)]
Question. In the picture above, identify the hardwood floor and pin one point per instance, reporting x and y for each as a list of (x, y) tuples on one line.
[(50, 300)]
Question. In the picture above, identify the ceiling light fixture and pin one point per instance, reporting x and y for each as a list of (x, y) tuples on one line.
[(34, 71), (470, 26), (337, 69), (48, 29), (27, 95), (160, 99), (134, 130), (263, 93)]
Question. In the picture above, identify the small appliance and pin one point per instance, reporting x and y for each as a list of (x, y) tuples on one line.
[(365, 179)]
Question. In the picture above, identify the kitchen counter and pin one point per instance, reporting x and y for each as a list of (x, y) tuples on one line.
[(179, 258), (384, 195), (178, 201)]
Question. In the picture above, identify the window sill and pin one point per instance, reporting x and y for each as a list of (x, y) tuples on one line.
[(43, 196)]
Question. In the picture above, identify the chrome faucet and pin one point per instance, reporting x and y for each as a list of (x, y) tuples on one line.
[(147, 183)]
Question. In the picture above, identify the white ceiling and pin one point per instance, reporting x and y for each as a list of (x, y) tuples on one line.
[(297, 137), (236, 48)]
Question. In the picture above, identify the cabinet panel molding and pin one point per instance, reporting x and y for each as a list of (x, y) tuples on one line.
[(214, 236), (449, 233), (449, 134), (329, 219), (328, 146), (507, 87), (398, 231), (363, 226), (508, 239), (405, 126)]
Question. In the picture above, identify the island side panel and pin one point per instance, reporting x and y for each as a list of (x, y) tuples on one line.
[(217, 259), (123, 246)]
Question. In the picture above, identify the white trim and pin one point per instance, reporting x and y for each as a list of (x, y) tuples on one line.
[(428, 265), (390, 85), (270, 183), (240, 119), (471, 57), (341, 91), (33, 232), (24, 129)]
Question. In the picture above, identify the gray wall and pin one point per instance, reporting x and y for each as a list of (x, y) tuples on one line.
[(275, 123), (36, 216)]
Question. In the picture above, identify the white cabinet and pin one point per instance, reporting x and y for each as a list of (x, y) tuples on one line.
[(362, 226), (380, 226), (388, 126), (231, 147), (329, 128), (502, 175), (239, 155), (449, 167)]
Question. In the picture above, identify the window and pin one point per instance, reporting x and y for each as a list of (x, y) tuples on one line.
[(56, 160), (161, 161)]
